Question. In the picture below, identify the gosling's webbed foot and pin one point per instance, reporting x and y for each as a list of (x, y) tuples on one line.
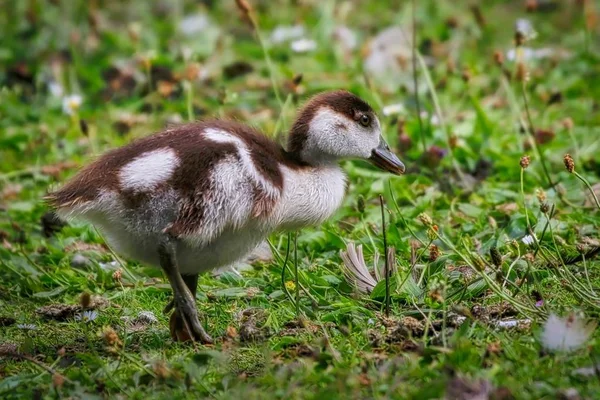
[(180, 333), (184, 323)]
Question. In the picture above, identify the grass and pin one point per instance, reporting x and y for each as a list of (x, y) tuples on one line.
[(466, 194)]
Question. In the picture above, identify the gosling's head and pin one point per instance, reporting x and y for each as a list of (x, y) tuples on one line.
[(339, 125)]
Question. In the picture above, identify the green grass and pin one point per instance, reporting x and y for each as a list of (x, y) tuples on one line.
[(342, 346)]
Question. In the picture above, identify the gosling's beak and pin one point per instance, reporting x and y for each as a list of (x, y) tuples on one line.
[(383, 158)]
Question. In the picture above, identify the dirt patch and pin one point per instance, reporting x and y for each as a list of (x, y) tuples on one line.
[(252, 329), (464, 389), (62, 312), (493, 312), (7, 321), (298, 327), (79, 247)]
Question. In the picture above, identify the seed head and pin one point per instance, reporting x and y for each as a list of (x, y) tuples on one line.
[(452, 22), (111, 338), (498, 58), (432, 232), (404, 141), (466, 75), (434, 253), (436, 295), (85, 299), (519, 38), (522, 74), (569, 163), (425, 219), (544, 208), (161, 370), (243, 5), (525, 160), (117, 275), (496, 256), (192, 71), (58, 380), (531, 5), (83, 127), (246, 10), (567, 123), (541, 195), (360, 204), (297, 79), (479, 263)]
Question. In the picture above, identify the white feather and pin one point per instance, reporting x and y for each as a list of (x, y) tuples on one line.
[(566, 333), (221, 136), (228, 203), (148, 170)]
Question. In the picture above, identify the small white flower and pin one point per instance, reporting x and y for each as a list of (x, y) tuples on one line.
[(393, 109), (528, 240), (87, 316), (27, 327), (524, 53), (56, 89), (524, 27), (303, 45), (109, 266), (286, 33), (345, 37), (566, 333), (71, 103), (193, 24)]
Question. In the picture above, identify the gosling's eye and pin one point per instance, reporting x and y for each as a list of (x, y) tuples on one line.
[(365, 120)]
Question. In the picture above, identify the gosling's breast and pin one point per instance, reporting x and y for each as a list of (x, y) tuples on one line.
[(310, 196)]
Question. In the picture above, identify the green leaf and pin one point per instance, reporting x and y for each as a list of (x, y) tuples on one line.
[(407, 288), (470, 210), (51, 293)]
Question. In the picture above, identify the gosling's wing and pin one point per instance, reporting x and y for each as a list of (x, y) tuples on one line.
[(239, 187)]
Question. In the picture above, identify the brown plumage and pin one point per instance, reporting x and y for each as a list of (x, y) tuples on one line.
[(203, 195)]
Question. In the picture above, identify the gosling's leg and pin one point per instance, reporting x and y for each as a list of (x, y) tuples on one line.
[(185, 302), (191, 281)]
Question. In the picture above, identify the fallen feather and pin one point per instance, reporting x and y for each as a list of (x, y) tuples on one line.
[(566, 333)]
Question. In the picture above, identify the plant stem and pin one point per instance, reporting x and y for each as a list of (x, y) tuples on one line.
[(189, 101), (531, 132), (438, 111), (296, 277), (587, 184), (257, 31), (387, 264), (415, 79), (524, 203), (284, 268)]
